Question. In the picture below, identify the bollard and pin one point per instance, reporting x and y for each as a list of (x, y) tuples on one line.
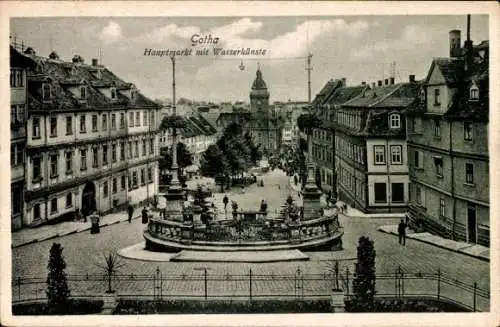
[(439, 284), (474, 304), (250, 279), (206, 293)]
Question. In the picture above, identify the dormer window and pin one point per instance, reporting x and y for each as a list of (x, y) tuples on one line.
[(46, 92), (132, 94), (83, 92), (422, 95), (474, 92), (395, 121), (113, 93), (98, 74)]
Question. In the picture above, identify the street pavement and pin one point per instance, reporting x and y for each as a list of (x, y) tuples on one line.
[(83, 251)]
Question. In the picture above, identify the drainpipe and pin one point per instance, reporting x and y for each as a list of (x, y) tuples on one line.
[(47, 173), (453, 208)]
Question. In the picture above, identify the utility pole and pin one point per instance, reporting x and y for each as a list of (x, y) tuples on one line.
[(175, 177), (309, 68)]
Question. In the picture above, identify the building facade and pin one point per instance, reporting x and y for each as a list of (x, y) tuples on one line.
[(92, 142), (448, 146), (370, 156)]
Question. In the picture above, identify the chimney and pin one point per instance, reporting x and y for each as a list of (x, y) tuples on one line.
[(455, 44), (363, 83), (94, 62), (392, 80), (468, 55), (379, 83), (344, 82), (412, 79), (386, 81)]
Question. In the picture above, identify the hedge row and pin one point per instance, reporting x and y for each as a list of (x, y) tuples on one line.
[(75, 307)]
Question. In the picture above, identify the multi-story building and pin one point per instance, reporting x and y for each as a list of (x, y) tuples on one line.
[(289, 113), (370, 147), (448, 146), (18, 103), (333, 94), (91, 140)]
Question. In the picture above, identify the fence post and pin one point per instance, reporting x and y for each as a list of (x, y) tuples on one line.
[(19, 288), (347, 281), (475, 290), (439, 284), (206, 293), (250, 284)]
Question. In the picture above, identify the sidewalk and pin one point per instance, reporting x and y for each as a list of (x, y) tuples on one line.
[(38, 234), (350, 212), (473, 250)]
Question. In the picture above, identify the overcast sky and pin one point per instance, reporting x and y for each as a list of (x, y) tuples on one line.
[(359, 48)]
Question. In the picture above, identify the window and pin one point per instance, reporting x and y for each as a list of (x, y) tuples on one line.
[(104, 155), (69, 200), (16, 78), (145, 118), (395, 121), (95, 159), (396, 155), (122, 120), (94, 123), (467, 131), (398, 192), (419, 159), (53, 126), (134, 179), (83, 124), (422, 95), (105, 189), (150, 174), (46, 92), (115, 186), (83, 92), (69, 125), (36, 211), (83, 159), (438, 162), (143, 177), (69, 162), (437, 128), (113, 122), (53, 205), (16, 154), (152, 118), (37, 174), (104, 122), (113, 153), (144, 147), (123, 182), (474, 92), (130, 150), (113, 93), (36, 127), (122, 151), (53, 165), (138, 119), (132, 94), (436, 97), (136, 143), (442, 208), (469, 173), (380, 193), (379, 153), (131, 119)]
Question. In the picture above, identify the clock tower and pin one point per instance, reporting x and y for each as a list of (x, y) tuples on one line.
[(263, 127)]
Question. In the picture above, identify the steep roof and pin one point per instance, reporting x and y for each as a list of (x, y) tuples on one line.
[(344, 94), (62, 76), (451, 68), (372, 96)]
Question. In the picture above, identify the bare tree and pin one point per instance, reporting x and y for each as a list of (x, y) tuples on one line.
[(111, 267)]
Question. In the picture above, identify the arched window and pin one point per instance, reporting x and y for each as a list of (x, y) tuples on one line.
[(474, 92), (113, 93), (395, 121), (46, 92)]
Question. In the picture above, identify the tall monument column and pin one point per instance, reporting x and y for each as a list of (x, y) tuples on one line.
[(175, 194), (311, 193)]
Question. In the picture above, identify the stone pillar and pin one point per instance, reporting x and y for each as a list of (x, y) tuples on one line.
[(337, 301)]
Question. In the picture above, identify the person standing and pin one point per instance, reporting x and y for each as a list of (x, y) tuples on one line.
[(402, 232), (130, 210), (225, 200), (144, 215)]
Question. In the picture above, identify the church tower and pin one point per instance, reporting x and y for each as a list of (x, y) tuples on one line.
[(262, 128)]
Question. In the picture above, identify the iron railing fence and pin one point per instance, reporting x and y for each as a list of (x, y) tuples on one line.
[(305, 286)]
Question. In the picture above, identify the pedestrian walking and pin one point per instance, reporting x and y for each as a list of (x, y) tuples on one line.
[(130, 210), (225, 200), (402, 232), (144, 215)]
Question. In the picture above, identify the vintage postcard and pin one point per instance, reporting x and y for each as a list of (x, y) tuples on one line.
[(273, 163)]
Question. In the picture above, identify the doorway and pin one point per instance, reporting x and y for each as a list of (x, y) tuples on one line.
[(88, 199), (471, 224)]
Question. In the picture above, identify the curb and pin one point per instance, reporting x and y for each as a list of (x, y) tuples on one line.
[(439, 246), (36, 240)]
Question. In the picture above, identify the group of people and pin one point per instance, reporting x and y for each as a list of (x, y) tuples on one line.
[(144, 212)]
